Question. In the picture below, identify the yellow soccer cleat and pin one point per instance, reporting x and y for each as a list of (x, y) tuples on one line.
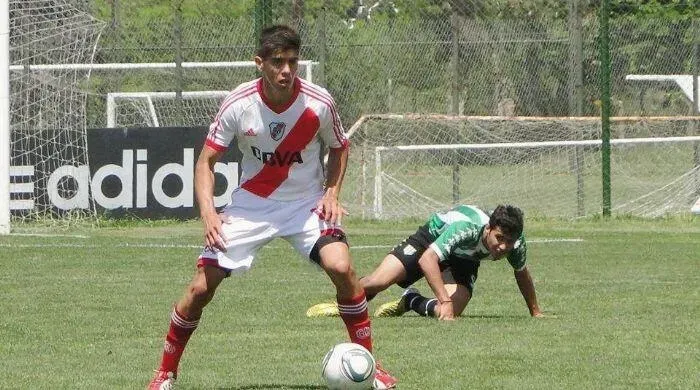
[(391, 309), (395, 308), (326, 309)]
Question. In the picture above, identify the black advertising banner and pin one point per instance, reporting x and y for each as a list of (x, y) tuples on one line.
[(142, 172), (149, 172)]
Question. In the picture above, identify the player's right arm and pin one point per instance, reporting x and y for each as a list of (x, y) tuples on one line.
[(459, 232), (204, 192), (221, 132), (428, 263)]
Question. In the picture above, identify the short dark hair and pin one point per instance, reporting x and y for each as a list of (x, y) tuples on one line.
[(509, 219), (278, 37)]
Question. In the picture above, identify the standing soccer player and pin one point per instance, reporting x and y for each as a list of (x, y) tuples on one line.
[(279, 121)]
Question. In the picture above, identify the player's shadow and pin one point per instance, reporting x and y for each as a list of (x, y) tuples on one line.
[(274, 386), (490, 316)]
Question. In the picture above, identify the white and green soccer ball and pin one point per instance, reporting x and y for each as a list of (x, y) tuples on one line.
[(348, 366)]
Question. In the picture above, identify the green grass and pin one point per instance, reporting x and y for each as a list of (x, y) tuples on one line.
[(91, 312)]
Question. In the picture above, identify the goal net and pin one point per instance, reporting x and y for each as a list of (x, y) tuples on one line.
[(47, 105), (156, 109), (411, 165), (188, 108)]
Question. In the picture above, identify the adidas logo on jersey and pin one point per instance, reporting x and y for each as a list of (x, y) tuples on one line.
[(249, 133)]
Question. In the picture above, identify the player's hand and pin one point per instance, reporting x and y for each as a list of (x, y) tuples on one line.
[(446, 311), (540, 314), (330, 209), (213, 232)]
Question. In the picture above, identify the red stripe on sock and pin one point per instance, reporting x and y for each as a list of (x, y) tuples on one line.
[(176, 340), (357, 323)]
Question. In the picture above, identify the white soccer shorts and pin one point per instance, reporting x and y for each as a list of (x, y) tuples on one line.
[(253, 221)]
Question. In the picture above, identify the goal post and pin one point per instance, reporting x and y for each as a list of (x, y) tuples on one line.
[(4, 117), (548, 166)]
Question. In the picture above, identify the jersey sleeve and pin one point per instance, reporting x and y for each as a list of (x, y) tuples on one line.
[(458, 233), (222, 129), (518, 256), (331, 129)]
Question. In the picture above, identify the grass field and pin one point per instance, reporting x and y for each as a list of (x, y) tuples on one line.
[(89, 310)]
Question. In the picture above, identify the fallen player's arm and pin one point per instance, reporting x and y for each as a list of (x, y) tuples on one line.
[(428, 263), (527, 288)]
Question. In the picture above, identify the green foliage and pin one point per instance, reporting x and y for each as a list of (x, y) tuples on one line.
[(666, 9), (400, 62)]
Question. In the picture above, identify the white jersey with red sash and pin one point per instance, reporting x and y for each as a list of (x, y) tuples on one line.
[(281, 148)]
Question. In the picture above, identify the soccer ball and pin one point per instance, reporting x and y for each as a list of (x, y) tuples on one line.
[(348, 366)]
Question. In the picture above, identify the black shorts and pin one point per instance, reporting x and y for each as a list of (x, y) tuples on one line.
[(410, 250)]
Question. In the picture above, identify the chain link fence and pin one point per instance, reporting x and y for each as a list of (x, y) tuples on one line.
[(535, 58)]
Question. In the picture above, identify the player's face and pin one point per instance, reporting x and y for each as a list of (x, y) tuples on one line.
[(497, 243), (279, 69)]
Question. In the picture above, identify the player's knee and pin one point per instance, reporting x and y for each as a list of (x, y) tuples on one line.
[(200, 291), (460, 303), (329, 247), (341, 268)]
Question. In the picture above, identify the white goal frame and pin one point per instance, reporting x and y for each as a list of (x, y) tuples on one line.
[(375, 185), (4, 116), (378, 190), (147, 97)]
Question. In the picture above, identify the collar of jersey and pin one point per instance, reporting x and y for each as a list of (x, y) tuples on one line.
[(284, 107)]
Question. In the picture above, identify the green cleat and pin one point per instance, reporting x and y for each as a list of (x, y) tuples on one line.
[(326, 309), (395, 308)]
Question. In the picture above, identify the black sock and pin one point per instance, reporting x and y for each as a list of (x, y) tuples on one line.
[(420, 304)]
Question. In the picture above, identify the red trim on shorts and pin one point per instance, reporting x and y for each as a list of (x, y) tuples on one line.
[(331, 231), (202, 261), (270, 177)]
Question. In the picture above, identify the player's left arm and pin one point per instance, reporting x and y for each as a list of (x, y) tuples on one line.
[(527, 288), (332, 133), (329, 204)]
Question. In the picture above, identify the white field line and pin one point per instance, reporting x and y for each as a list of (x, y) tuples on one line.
[(186, 246), (50, 235)]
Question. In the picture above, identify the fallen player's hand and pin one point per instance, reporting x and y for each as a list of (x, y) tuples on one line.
[(540, 314), (446, 311)]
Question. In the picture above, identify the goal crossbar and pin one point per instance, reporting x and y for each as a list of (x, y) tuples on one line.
[(456, 118), (541, 144), (145, 65)]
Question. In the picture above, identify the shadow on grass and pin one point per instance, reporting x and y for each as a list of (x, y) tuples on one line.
[(548, 315), (273, 386), (489, 316)]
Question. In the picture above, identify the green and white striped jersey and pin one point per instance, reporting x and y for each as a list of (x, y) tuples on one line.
[(459, 231)]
